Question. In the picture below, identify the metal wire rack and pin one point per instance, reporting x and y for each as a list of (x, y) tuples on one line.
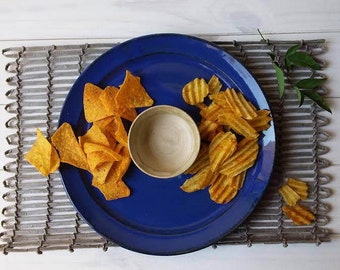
[(39, 215)]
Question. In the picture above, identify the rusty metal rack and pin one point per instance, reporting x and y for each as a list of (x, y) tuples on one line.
[(39, 216)]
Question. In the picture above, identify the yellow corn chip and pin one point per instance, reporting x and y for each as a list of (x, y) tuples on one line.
[(69, 150), (93, 135), (93, 107), (101, 171), (132, 94), (43, 155), (113, 107)]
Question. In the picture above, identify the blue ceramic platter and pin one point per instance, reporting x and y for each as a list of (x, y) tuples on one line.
[(159, 218)]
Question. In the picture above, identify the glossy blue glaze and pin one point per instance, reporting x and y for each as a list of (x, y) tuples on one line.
[(158, 217)]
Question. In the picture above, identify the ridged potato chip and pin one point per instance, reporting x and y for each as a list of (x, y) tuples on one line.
[(221, 191), (235, 102), (261, 121), (222, 146), (243, 158), (212, 112), (214, 85), (201, 161), (208, 129), (195, 91), (298, 214), (300, 187), (238, 124), (289, 195), (200, 180)]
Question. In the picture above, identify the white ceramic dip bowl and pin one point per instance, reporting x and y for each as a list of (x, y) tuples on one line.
[(163, 141)]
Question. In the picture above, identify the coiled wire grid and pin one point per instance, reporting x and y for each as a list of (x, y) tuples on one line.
[(40, 217)]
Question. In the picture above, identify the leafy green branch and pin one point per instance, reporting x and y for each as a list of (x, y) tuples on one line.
[(305, 87)]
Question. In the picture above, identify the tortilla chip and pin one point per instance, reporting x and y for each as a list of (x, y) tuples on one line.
[(43, 155), (120, 133), (101, 171), (93, 107), (93, 135), (67, 145), (112, 189), (132, 94)]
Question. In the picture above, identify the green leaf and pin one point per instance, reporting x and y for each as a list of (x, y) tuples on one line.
[(310, 83), (280, 79), (299, 95), (315, 96), (302, 59), (289, 52)]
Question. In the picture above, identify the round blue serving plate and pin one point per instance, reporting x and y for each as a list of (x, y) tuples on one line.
[(159, 218)]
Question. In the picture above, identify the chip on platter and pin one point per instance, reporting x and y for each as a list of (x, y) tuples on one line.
[(195, 91), (132, 93), (93, 106), (112, 189), (222, 146), (68, 148), (221, 191), (42, 155)]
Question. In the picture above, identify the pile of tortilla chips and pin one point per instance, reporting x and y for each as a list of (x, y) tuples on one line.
[(103, 149)]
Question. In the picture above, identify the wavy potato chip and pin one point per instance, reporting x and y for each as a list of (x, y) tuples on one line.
[(243, 158), (238, 124), (222, 146), (208, 129), (214, 85), (67, 145), (289, 195), (201, 161), (221, 191), (300, 187), (195, 91), (298, 214), (261, 121), (200, 180), (42, 155)]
